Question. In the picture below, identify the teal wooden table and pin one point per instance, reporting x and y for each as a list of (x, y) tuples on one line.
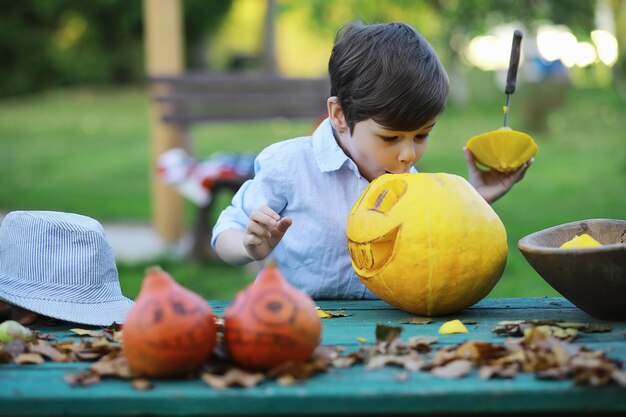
[(39, 390)]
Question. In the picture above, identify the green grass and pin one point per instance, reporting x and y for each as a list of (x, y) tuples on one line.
[(214, 280), (86, 151)]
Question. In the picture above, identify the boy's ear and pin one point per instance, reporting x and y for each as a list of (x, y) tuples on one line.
[(335, 113)]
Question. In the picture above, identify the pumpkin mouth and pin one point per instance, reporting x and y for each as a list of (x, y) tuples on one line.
[(369, 258), (185, 339)]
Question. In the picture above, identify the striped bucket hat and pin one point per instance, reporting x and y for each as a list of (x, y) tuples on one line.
[(60, 265)]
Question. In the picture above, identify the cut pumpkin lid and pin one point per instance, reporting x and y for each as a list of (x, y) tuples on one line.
[(503, 150)]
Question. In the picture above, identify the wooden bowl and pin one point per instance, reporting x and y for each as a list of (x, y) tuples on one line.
[(594, 279)]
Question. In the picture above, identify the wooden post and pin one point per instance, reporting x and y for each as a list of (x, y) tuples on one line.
[(269, 38), (163, 37)]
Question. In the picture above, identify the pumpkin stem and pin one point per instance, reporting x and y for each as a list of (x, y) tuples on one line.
[(153, 269), (270, 272), (156, 278)]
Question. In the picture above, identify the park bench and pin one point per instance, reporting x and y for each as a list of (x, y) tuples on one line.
[(193, 98)]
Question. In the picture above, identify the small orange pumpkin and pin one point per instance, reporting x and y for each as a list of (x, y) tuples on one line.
[(270, 322), (169, 331)]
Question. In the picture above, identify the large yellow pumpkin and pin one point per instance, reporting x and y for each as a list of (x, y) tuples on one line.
[(428, 244)]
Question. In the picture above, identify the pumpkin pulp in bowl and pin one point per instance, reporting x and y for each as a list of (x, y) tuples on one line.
[(593, 278)]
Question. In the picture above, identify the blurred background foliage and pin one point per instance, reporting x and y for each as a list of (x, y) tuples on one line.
[(60, 43), (46, 44), (74, 132)]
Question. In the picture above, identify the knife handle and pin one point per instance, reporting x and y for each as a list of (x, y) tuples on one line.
[(511, 75)]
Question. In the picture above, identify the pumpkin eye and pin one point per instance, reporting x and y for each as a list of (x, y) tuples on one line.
[(179, 307), (152, 315), (274, 308), (384, 196)]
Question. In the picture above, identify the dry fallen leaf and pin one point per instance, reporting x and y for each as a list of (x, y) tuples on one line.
[(544, 349), (32, 358), (455, 369), (83, 332), (320, 362), (233, 377), (329, 314), (498, 371), (517, 327), (286, 380), (114, 364), (421, 343), (141, 384), (415, 320), (82, 379), (13, 348), (619, 376), (50, 352), (343, 362), (387, 333), (555, 331)]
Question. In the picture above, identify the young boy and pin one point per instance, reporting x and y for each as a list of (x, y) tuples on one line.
[(388, 88)]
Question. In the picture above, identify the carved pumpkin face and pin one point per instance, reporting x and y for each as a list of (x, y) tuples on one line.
[(169, 330), (271, 322), (177, 324), (426, 243)]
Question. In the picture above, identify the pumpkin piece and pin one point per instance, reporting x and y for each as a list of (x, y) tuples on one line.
[(427, 244), (581, 241), (323, 314), (169, 331), (452, 327), (503, 150), (270, 322)]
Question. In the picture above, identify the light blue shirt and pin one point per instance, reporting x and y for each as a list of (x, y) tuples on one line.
[(311, 180)]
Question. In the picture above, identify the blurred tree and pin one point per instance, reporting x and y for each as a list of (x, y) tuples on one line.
[(450, 24), (70, 42), (619, 69), (440, 19), (475, 17), (269, 40), (466, 19), (202, 19), (23, 55)]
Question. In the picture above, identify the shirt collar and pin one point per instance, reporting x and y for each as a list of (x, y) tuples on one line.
[(328, 155)]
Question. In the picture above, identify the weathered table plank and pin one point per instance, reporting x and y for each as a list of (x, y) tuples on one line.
[(40, 389)]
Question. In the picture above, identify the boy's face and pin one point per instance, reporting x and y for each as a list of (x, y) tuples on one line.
[(378, 150)]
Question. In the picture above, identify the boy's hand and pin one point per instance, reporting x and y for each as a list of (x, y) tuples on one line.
[(493, 184), (265, 229)]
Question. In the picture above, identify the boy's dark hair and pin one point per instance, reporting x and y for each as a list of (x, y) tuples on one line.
[(387, 72)]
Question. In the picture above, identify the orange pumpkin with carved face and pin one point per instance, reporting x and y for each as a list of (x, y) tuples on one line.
[(271, 322), (169, 331)]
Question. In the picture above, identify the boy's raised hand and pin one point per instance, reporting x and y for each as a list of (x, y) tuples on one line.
[(265, 229), (492, 184)]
